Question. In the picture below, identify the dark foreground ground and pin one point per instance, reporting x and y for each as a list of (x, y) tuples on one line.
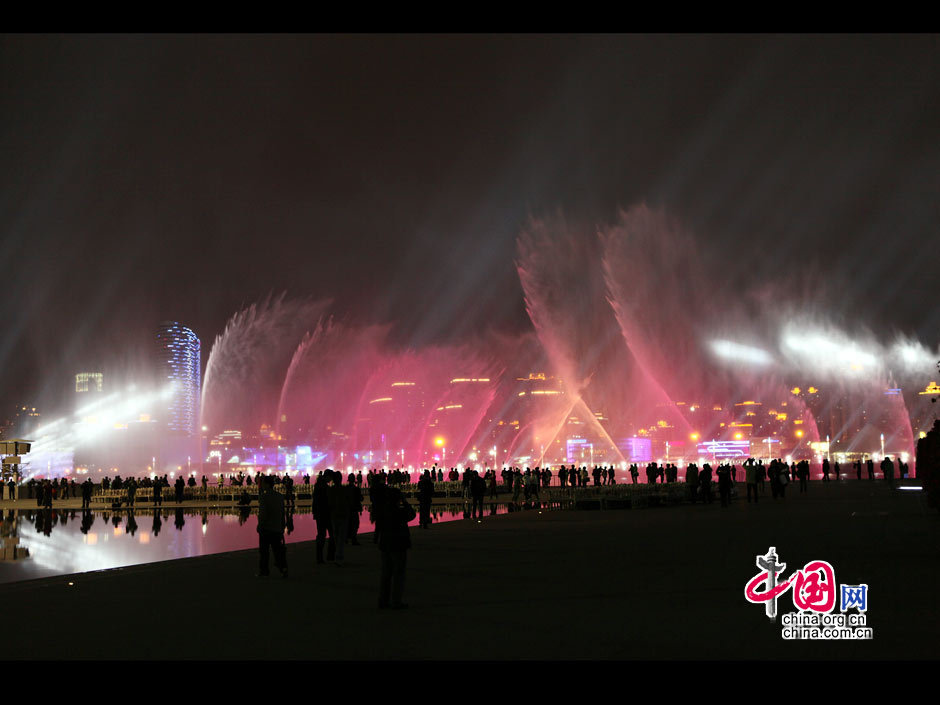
[(656, 583)]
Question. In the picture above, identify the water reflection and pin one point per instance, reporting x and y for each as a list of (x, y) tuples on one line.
[(87, 540)]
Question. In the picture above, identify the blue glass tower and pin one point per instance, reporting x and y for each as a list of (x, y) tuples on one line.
[(179, 358)]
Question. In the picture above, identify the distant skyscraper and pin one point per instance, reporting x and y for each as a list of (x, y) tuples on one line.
[(178, 352)]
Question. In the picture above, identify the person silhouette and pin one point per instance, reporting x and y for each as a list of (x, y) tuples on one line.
[(321, 514), (270, 527), (355, 508), (340, 509), (425, 495), (393, 516)]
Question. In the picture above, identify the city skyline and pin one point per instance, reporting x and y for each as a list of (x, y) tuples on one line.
[(184, 178)]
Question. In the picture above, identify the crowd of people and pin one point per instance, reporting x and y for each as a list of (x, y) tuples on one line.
[(338, 501), (523, 485), (337, 506)]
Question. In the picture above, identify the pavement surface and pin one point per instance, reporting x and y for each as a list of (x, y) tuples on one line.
[(656, 583)]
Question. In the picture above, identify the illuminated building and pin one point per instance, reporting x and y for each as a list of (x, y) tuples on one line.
[(579, 450), (392, 418), (89, 382), (25, 418), (225, 438), (179, 359), (636, 450)]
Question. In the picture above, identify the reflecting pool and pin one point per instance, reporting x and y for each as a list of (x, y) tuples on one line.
[(39, 543)]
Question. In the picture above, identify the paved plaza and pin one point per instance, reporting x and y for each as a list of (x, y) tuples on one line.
[(654, 583)]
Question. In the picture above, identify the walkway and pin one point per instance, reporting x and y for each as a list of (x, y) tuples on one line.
[(658, 583)]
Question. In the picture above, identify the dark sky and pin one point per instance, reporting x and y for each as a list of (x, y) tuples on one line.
[(147, 178)]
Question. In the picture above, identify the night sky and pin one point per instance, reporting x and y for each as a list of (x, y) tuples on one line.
[(147, 178)]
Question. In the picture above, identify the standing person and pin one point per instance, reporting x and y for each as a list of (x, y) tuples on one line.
[(870, 464), (425, 495), (705, 482), (338, 500), (825, 469), (87, 486), (533, 483), (563, 476), (321, 513), (289, 491), (355, 507), (465, 482), (179, 485), (783, 479), (158, 491), (477, 492), (724, 484), (393, 516), (516, 488), (858, 469), (270, 527), (750, 477), (887, 470), (691, 479), (131, 491)]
